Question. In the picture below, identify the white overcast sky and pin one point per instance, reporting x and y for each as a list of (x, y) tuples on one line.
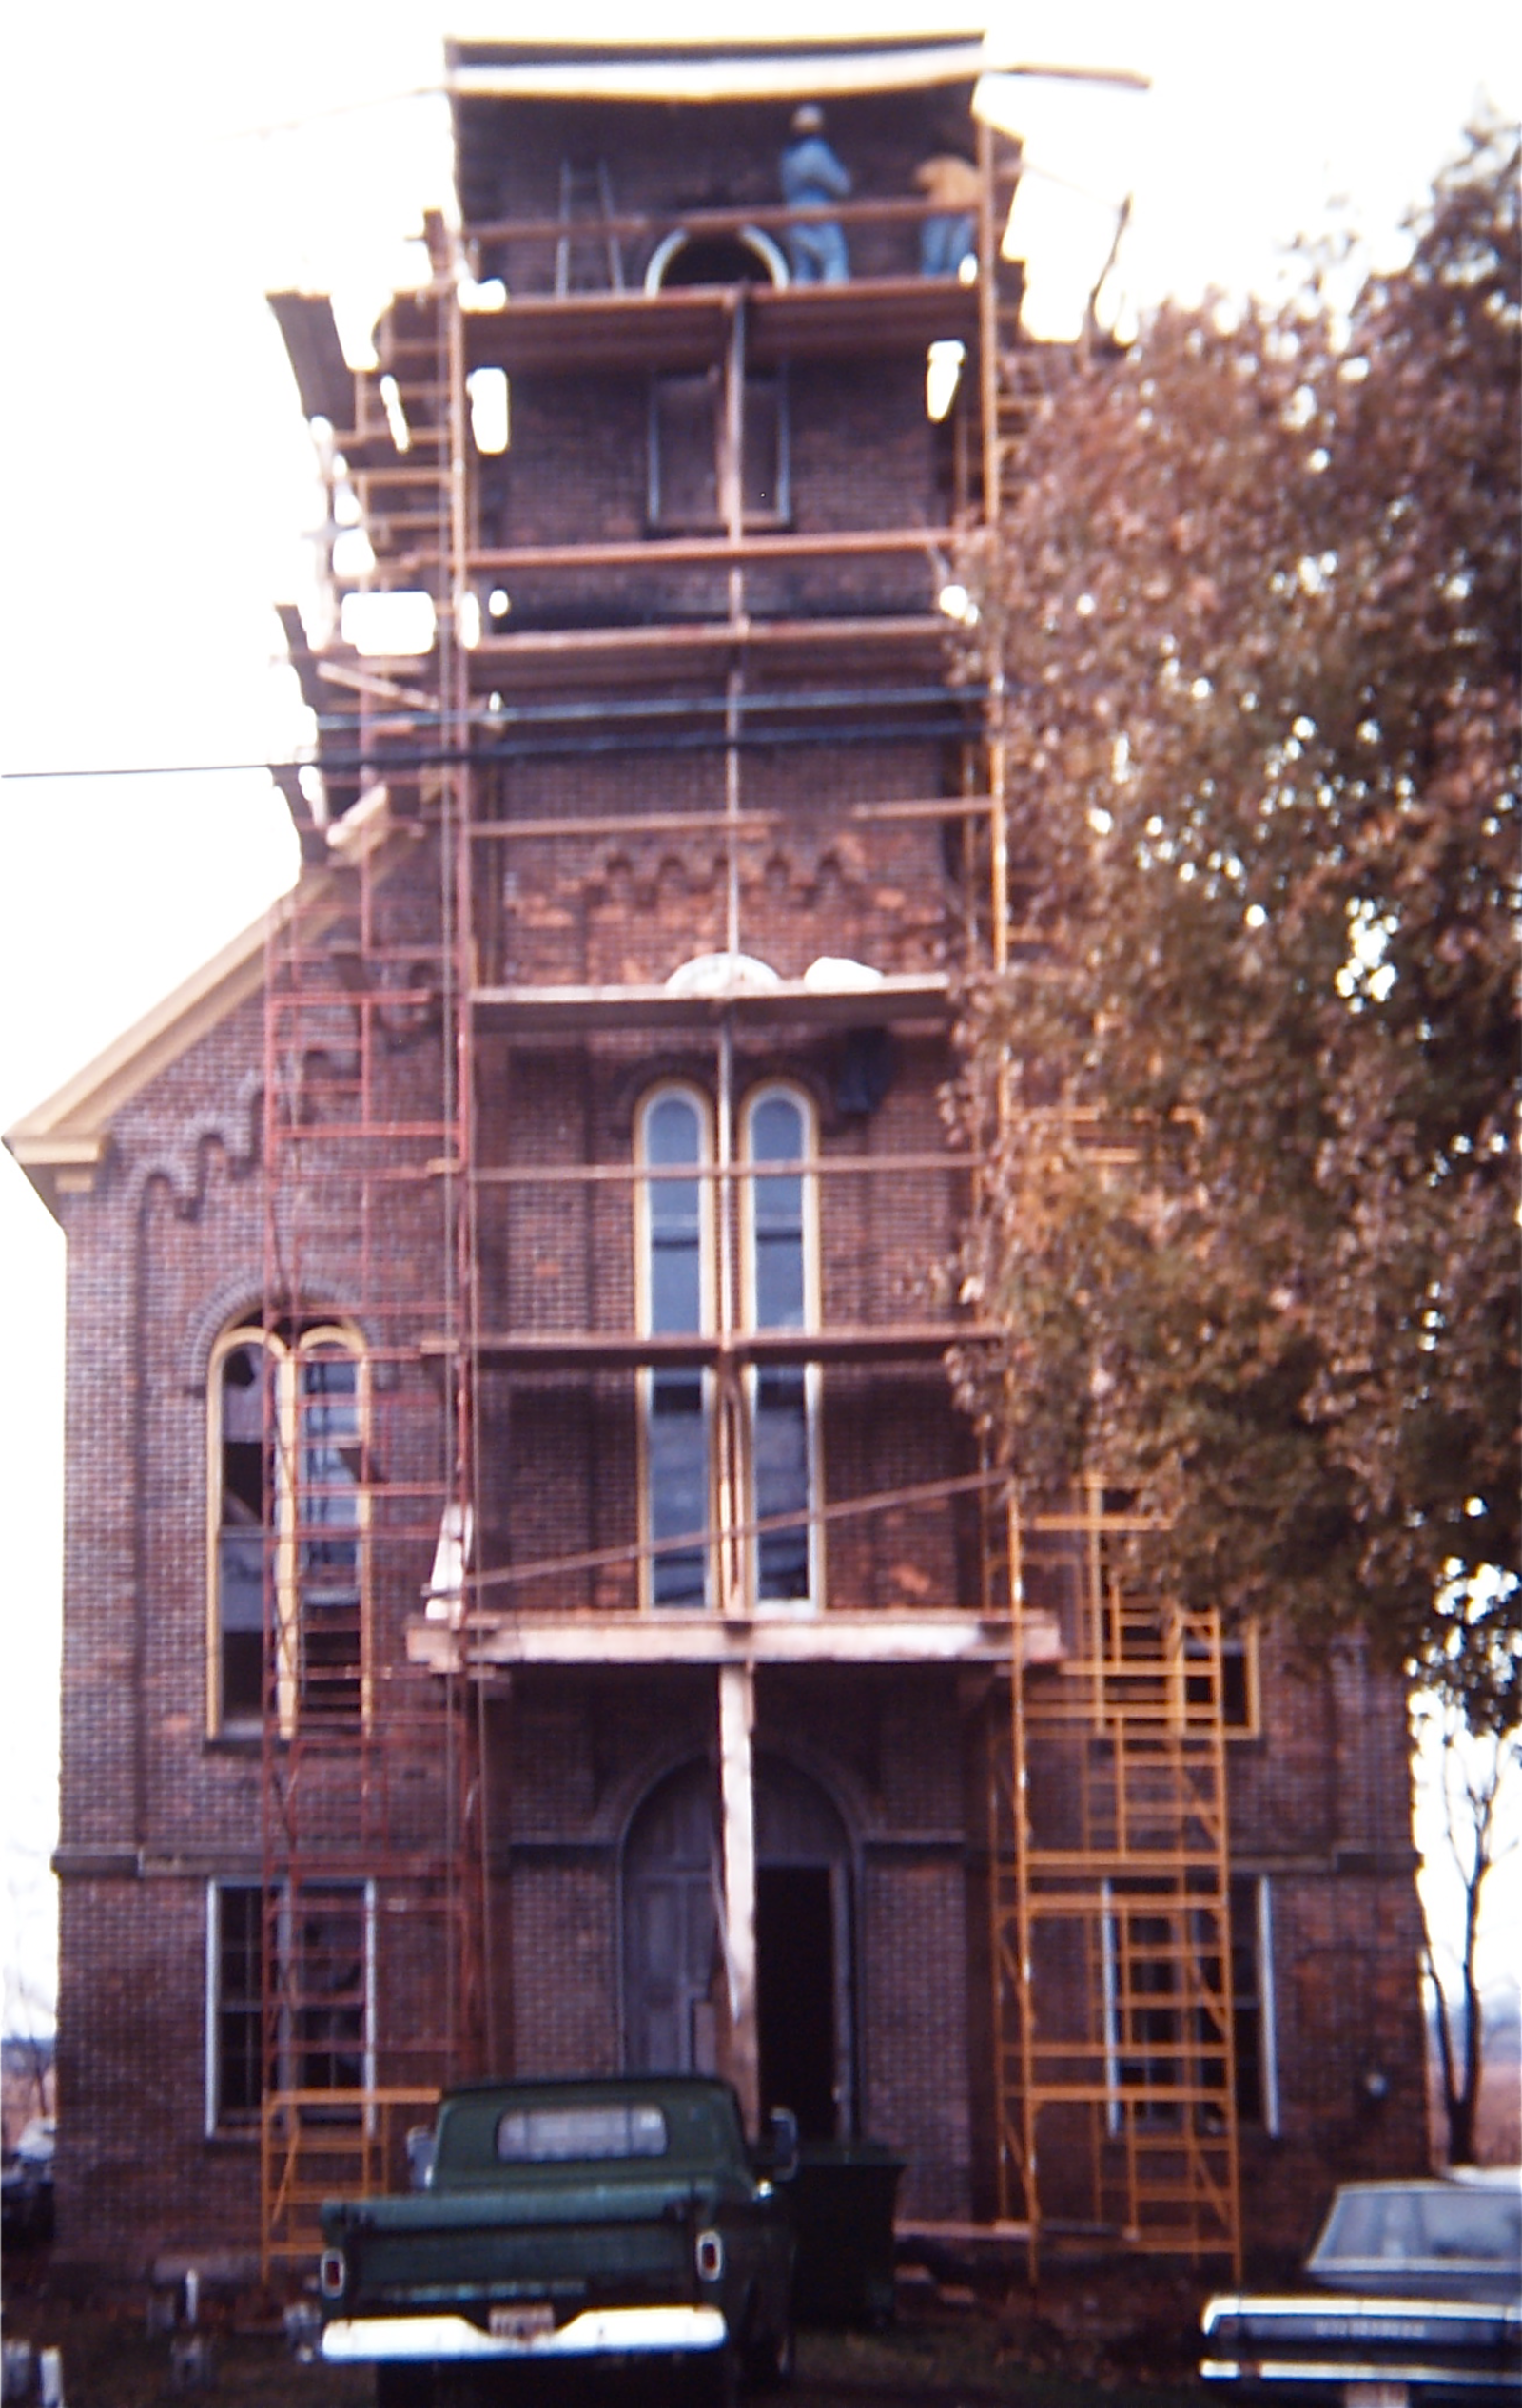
[(165, 165)]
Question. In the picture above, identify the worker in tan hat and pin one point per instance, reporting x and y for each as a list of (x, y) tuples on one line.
[(812, 178), (948, 240)]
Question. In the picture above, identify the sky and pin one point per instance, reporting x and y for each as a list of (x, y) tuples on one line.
[(166, 165)]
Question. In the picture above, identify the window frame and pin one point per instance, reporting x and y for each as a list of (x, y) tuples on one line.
[(219, 1722), (660, 517), (1256, 1943), (1253, 2010), (221, 2121), (649, 1376), (1239, 1647), (813, 1601), (281, 1525), (277, 1910)]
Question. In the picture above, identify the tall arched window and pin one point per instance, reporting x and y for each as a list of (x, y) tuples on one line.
[(287, 1511), (781, 1292), (675, 1300)]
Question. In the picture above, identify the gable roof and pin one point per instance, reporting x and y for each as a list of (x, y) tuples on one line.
[(62, 1141)]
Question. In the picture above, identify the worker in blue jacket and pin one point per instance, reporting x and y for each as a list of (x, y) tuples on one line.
[(812, 176)]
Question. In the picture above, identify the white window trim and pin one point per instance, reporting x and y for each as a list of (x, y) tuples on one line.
[(242, 1333), (1267, 2007), (803, 1101), (1267, 2014), (1110, 1988), (1243, 1641), (216, 2126), (211, 2004), (283, 1356), (707, 1316)]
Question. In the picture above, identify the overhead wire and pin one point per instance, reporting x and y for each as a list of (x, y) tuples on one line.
[(521, 734)]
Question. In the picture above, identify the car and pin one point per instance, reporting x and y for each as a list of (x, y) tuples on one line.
[(27, 2185), (1417, 2288)]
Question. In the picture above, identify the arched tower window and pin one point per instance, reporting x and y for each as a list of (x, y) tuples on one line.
[(781, 1292), (675, 1300), (287, 1513)]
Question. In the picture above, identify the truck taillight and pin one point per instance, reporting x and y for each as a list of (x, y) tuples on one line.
[(331, 2271), (709, 2255)]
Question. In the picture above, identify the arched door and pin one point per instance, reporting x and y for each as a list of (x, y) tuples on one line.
[(674, 1972), (672, 1965)]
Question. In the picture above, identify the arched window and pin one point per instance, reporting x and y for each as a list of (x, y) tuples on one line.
[(675, 1300), (242, 1526), (287, 1511), (781, 1292)]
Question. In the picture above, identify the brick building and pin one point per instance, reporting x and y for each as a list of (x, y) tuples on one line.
[(531, 1600)]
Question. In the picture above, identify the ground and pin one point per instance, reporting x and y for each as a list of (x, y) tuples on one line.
[(1092, 2338)]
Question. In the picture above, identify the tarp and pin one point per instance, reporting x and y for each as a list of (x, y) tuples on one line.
[(704, 71)]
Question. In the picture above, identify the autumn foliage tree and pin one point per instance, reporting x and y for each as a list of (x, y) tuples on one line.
[(1250, 1084)]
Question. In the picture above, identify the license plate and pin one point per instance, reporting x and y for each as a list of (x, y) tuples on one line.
[(1376, 2395), (521, 2323)]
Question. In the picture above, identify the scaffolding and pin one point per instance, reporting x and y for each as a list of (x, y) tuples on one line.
[(372, 1871), (1108, 1848), (1111, 2026), (1109, 1901)]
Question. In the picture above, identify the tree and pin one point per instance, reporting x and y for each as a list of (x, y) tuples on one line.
[(1473, 1780), (1250, 1082)]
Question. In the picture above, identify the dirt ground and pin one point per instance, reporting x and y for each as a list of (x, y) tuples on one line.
[(1097, 2338)]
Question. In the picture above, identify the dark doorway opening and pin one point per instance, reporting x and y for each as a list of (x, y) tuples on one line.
[(796, 1993), (716, 259)]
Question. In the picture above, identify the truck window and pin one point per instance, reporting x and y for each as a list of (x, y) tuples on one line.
[(545, 2135)]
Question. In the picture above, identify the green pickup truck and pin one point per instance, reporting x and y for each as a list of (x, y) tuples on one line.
[(608, 2221)]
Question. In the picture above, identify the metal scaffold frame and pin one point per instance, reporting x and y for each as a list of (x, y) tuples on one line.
[(372, 1805)]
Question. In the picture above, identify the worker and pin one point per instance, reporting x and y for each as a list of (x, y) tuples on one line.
[(948, 240), (811, 177)]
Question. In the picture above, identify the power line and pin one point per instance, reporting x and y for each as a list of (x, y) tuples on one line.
[(583, 728), (520, 748)]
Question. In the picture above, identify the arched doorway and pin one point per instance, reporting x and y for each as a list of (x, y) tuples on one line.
[(674, 1972)]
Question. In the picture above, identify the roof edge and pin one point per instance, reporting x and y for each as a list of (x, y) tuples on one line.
[(61, 1142), (723, 71)]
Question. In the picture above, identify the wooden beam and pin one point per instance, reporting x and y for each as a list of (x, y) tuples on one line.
[(621, 1351), (792, 1003), (943, 807), (654, 551), (736, 1688), (663, 1636)]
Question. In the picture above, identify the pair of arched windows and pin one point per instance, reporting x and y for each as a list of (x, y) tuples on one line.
[(286, 1541), (699, 1474)]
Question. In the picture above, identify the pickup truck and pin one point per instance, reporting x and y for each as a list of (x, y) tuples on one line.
[(606, 2222), (1417, 2288)]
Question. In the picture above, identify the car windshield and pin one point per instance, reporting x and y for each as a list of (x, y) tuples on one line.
[(1479, 2226), (548, 2135)]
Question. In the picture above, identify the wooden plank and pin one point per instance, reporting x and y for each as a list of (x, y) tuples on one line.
[(615, 1350), (790, 1002), (669, 1636)]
